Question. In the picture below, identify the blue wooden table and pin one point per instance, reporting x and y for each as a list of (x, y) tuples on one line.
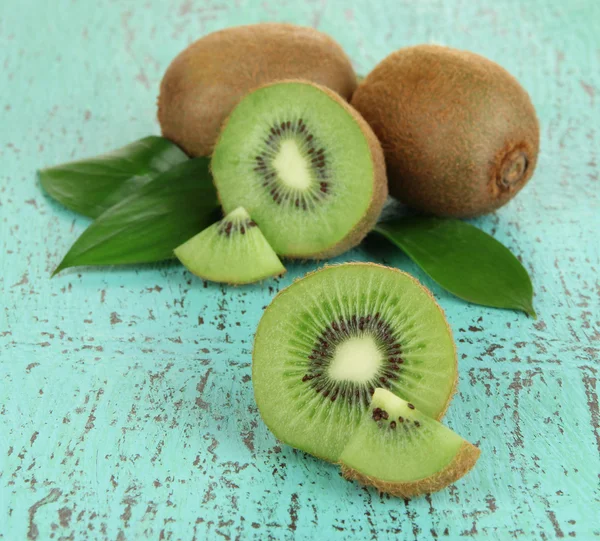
[(126, 407)]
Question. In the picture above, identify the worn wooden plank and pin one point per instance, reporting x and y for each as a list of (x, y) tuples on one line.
[(126, 402)]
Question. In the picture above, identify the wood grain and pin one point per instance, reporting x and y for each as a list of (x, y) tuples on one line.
[(126, 407)]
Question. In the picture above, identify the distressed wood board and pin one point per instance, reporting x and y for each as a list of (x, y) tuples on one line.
[(126, 407)]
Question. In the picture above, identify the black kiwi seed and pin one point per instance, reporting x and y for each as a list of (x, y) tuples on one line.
[(410, 406), (393, 425), (377, 414), (228, 228)]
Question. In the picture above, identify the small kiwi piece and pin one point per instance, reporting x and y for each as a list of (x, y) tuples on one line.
[(232, 250), (460, 134), (403, 452), (206, 80), (305, 165), (327, 341)]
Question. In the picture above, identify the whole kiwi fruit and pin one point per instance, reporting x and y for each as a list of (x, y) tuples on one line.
[(206, 80), (459, 133)]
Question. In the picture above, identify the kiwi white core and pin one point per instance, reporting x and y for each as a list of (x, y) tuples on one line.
[(239, 213), (291, 166), (357, 359)]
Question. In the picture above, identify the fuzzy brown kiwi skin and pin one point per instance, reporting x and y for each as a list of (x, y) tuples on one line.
[(206, 80), (380, 185), (456, 129), (454, 383), (463, 462)]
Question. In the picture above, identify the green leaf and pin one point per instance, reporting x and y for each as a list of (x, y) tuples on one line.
[(464, 260), (91, 186), (150, 223)]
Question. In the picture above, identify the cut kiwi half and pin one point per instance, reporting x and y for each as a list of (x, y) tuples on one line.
[(232, 250), (327, 341), (305, 165), (403, 452)]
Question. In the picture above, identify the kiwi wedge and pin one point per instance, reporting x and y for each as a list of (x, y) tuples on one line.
[(206, 80), (232, 250), (305, 165), (327, 341), (460, 134), (403, 452)]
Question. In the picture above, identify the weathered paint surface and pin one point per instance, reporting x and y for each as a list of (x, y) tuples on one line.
[(126, 402)]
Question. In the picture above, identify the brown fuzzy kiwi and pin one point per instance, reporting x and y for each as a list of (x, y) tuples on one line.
[(459, 133), (206, 80), (463, 462), (360, 229)]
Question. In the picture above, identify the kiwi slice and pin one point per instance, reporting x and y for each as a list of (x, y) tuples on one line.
[(460, 133), (232, 250), (403, 452), (305, 165), (207, 79), (327, 341)]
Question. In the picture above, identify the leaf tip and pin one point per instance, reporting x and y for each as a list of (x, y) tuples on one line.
[(41, 175), (60, 267), (529, 310)]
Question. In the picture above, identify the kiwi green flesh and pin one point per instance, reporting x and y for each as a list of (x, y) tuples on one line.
[(232, 250), (299, 163), (326, 342), (396, 443)]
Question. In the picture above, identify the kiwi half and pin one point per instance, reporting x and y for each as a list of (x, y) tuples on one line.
[(327, 341), (403, 452), (206, 80), (460, 134), (305, 165), (232, 250)]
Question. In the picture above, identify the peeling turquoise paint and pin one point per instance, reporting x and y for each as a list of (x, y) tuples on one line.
[(126, 408)]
